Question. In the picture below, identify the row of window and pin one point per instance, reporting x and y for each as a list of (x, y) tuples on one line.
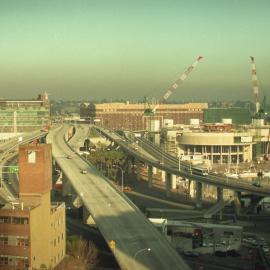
[(58, 257), (22, 241), (215, 148), (57, 240), (58, 222), (14, 261), (14, 220)]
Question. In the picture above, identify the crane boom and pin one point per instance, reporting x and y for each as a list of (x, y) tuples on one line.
[(178, 82), (255, 85)]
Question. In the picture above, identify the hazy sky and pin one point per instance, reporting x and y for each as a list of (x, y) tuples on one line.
[(99, 49)]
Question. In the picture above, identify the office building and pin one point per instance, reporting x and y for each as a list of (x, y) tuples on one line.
[(17, 116)]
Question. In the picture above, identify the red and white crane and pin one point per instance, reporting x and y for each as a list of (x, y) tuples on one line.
[(177, 83), (255, 85)]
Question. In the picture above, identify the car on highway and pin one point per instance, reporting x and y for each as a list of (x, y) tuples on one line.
[(83, 172), (127, 189), (191, 254), (68, 157)]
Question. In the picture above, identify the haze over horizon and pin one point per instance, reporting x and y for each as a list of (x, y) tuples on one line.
[(130, 49)]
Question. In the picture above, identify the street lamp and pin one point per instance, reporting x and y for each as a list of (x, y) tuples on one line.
[(141, 250), (122, 176)]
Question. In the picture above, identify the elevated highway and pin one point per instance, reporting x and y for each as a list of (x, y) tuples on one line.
[(151, 154), (138, 244), (9, 149)]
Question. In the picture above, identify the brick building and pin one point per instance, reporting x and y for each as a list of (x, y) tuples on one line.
[(32, 229), (131, 116)]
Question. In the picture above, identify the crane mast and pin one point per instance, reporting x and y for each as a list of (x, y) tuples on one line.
[(255, 83), (177, 83)]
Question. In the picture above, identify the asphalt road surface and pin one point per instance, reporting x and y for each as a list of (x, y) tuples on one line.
[(138, 244)]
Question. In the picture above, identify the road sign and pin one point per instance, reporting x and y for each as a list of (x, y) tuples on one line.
[(112, 245), (13, 169)]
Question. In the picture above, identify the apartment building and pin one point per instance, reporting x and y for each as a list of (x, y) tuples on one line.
[(32, 229)]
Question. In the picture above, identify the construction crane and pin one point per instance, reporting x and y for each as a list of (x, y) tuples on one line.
[(173, 87), (255, 85), (266, 155)]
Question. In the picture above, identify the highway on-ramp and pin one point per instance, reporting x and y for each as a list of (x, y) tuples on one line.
[(138, 244)]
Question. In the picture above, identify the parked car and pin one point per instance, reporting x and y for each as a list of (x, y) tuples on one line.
[(265, 248)]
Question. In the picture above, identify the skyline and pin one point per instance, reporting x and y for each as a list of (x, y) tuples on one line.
[(127, 49)]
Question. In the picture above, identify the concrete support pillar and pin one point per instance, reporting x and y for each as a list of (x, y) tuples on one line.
[(237, 158), (150, 176), (156, 139), (198, 195), (219, 194), (173, 183), (168, 184), (154, 170), (77, 202), (163, 176), (220, 200), (221, 160), (87, 218), (139, 169), (129, 165), (230, 155), (237, 203)]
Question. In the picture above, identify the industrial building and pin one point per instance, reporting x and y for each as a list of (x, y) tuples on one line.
[(131, 116), (217, 142), (17, 116), (32, 228), (202, 237)]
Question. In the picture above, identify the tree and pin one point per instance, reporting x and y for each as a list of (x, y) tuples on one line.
[(81, 255)]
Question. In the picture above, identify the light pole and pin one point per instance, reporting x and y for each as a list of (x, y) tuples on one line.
[(141, 250), (122, 176)]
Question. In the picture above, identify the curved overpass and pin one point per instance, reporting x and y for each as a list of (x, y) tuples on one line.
[(152, 155), (116, 216)]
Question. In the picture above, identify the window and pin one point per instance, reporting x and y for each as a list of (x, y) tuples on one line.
[(3, 240), (22, 262), (31, 157), (5, 220), (3, 260), (22, 241), (20, 220)]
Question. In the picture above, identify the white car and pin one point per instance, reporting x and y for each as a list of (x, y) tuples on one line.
[(83, 172)]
